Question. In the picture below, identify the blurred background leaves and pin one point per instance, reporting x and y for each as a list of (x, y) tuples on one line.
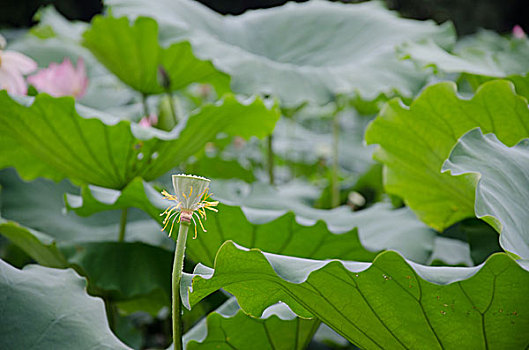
[(467, 16)]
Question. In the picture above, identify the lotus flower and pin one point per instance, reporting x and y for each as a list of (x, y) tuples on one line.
[(518, 32), (151, 120), (13, 67), (61, 79)]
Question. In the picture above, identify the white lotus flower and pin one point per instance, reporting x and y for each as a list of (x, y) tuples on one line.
[(13, 67)]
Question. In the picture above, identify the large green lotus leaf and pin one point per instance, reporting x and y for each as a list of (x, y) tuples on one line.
[(281, 236), (415, 141), (220, 168), (137, 194), (133, 54), (39, 205), (95, 148), (297, 52), (399, 230), (477, 58), (135, 273), (39, 246), (279, 221), (33, 218), (44, 308), (63, 40), (502, 186), (486, 53), (389, 304), (228, 326), (124, 270)]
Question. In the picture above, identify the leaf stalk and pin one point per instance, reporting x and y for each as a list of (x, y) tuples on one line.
[(270, 151), (335, 189), (122, 225)]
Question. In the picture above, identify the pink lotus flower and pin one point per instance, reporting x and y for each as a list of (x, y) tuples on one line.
[(13, 67), (61, 79), (151, 120), (518, 32)]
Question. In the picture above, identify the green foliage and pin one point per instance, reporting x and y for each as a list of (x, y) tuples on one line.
[(369, 303), (415, 141), (486, 53), (51, 139), (133, 54), (37, 245), (477, 58), (279, 329), (394, 271), (268, 224), (33, 219), (502, 187), (48, 308), (306, 66)]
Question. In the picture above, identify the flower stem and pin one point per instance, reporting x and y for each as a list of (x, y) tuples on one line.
[(335, 190), (270, 159), (145, 105), (122, 225), (173, 109), (177, 277)]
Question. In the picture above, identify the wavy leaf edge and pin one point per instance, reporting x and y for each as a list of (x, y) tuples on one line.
[(274, 260)]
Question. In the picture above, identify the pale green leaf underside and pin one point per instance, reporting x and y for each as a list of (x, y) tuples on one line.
[(502, 190), (224, 326), (415, 141), (228, 327), (277, 221), (330, 48), (39, 246), (33, 218), (50, 138), (398, 230), (48, 308), (478, 58), (389, 304), (486, 53), (105, 264), (39, 205), (133, 54), (282, 235)]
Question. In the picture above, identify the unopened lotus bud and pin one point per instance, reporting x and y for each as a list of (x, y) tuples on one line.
[(356, 200)]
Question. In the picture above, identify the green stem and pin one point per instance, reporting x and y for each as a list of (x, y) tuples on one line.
[(173, 109), (111, 313), (270, 159), (335, 190), (122, 225), (145, 106), (178, 265)]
